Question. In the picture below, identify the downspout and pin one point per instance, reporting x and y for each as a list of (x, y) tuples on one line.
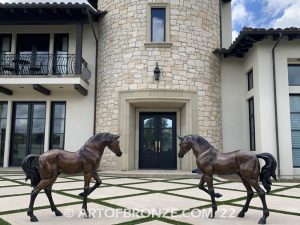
[(96, 68), (221, 28), (275, 100)]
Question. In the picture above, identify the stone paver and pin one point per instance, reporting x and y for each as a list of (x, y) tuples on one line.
[(22, 201), (227, 215), (158, 186), (5, 183), (160, 196), (15, 190), (122, 181), (73, 215), (108, 192), (241, 187), (278, 203), (156, 203), (294, 192), (197, 193)]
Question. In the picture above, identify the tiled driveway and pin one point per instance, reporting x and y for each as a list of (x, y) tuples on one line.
[(145, 201)]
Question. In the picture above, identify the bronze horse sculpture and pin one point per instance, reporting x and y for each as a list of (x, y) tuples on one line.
[(243, 163), (43, 170)]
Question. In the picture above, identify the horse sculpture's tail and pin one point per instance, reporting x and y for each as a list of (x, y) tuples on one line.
[(268, 170), (30, 165)]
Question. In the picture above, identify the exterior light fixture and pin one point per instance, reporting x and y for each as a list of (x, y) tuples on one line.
[(156, 72)]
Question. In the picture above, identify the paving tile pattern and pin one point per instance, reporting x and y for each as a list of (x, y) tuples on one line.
[(146, 201)]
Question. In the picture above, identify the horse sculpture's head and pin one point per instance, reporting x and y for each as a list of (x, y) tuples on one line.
[(185, 145), (114, 146)]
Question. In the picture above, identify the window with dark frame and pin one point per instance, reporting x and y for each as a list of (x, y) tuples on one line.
[(3, 120), (295, 128), (58, 118), (250, 80), (60, 63), (158, 24), (294, 74), (5, 43), (251, 124)]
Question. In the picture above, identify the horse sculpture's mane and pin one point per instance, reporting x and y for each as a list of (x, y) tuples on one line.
[(96, 137), (199, 140)]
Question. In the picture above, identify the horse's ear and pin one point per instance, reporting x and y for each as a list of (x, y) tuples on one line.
[(116, 137), (180, 138)]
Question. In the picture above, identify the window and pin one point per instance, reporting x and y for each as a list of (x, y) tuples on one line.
[(250, 80), (251, 123), (60, 64), (57, 135), (158, 24), (5, 43), (3, 119), (295, 128), (294, 74), (5, 57)]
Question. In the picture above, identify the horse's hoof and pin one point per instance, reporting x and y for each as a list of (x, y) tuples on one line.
[(34, 219), (218, 195), (58, 213), (81, 194), (262, 221), (211, 215), (241, 214)]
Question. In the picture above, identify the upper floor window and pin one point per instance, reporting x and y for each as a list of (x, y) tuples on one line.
[(5, 43), (158, 19), (158, 24), (294, 74), (250, 80)]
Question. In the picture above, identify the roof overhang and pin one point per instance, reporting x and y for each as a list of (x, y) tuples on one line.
[(46, 13), (249, 36)]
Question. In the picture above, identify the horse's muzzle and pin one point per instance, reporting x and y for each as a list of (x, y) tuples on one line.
[(119, 154), (180, 155)]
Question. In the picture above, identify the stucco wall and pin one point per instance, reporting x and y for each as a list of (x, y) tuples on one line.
[(125, 63), (235, 95), (79, 109)]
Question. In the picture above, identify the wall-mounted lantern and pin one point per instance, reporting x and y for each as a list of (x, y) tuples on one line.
[(156, 72)]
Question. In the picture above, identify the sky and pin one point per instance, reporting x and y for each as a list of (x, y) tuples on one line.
[(248, 13), (264, 14)]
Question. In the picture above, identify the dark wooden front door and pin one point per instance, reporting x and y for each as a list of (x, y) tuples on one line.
[(157, 149)]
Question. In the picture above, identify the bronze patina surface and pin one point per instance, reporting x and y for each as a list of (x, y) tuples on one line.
[(243, 163), (43, 170)]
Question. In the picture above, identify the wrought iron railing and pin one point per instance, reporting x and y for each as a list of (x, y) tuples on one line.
[(41, 64)]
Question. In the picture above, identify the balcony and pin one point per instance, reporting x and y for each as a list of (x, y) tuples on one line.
[(41, 70)]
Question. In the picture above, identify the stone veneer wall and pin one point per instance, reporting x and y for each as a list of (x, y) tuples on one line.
[(189, 64)]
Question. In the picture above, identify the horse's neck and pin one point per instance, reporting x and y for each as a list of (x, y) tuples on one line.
[(199, 149)]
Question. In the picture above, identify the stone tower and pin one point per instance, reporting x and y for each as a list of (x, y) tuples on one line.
[(180, 36)]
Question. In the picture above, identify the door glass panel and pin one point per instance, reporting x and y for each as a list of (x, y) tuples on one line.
[(166, 145), (3, 119), (28, 131), (166, 123), (149, 146), (58, 126), (22, 111), (149, 123)]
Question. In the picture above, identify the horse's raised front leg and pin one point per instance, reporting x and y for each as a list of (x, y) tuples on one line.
[(96, 185), (87, 180), (201, 187), (48, 191), (250, 194), (209, 180), (42, 184), (261, 193)]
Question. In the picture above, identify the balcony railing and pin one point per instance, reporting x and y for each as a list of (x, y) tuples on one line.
[(42, 64)]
